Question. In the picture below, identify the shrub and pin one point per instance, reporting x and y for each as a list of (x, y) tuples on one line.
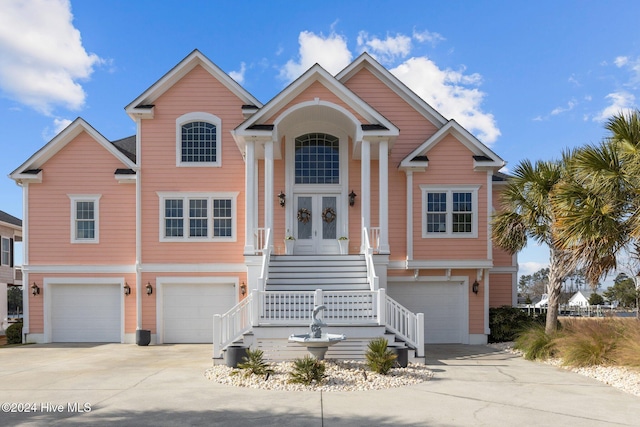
[(254, 364), (589, 342), (628, 351), (535, 344), (307, 370), (507, 322), (379, 358), (14, 333)]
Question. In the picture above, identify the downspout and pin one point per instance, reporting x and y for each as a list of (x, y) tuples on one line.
[(138, 227), (25, 261)]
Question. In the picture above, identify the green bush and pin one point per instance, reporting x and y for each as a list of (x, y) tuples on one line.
[(253, 364), (535, 343), (14, 333), (507, 322), (307, 370), (379, 358)]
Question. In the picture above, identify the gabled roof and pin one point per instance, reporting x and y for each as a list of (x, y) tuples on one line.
[(10, 219), (143, 104), (255, 126), (483, 157), (127, 146), (366, 61), (30, 170)]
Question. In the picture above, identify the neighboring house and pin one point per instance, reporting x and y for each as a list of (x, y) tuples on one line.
[(580, 298), (541, 302), (10, 275), (161, 231)]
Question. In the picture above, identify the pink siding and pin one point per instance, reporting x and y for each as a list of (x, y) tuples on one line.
[(83, 166), (501, 290), (450, 162), (198, 91)]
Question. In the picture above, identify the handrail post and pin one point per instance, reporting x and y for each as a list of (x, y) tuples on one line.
[(217, 335), (382, 306), (420, 335), (318, 297), (255, 304)]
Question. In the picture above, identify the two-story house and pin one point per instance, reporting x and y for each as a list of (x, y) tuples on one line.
[(192, 216), (10, 275)]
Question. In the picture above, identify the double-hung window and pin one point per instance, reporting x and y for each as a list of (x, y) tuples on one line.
[(5, 252), (198, 140), (197, 216), (449, 211), (85, 218)]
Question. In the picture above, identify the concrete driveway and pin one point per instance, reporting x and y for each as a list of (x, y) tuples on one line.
[(117, 384)]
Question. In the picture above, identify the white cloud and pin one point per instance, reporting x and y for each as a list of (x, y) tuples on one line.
[(620, 102), (330, 52), (238, 76), (387, 50), (527, 268), (41, 55), (560, 110), (59, 124), (621, 61), (427, 36), (454, 94)]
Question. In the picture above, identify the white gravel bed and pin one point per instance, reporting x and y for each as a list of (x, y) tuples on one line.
[(625, 379), (345, 375)]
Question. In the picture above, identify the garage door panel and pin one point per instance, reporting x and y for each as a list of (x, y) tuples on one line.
[(188, 310), (86, 313), (442, 305)]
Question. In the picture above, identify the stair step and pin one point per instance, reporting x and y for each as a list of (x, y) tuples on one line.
[(313, 287)]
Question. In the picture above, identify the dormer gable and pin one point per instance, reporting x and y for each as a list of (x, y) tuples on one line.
[(483, 157), (143, 105)]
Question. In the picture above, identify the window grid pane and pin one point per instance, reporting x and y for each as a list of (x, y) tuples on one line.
[(199, 142), (222, 218), (198, 218), (173, 213), (317, 158), (436, 222), (462, 217), (85, 222)]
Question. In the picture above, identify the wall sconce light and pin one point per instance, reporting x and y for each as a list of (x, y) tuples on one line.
[(282, 198), (35, 290), (127, 288), (475, 287), (352, 198), (243, 289), (149, 288)]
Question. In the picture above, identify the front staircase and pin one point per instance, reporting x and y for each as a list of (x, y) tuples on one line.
[(293, 285)]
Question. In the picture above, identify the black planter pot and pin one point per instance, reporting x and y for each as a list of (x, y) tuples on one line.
[(143, 337), (402, 359), (233, 355)]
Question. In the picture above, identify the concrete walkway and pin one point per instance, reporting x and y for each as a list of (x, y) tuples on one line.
[(116, 384)]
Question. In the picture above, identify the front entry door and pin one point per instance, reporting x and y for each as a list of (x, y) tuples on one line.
[(317, 221)]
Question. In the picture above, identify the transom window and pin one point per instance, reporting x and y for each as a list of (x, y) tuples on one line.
[(84, 218), (317, 159), (198, 140), (450, 212), (197, 216)]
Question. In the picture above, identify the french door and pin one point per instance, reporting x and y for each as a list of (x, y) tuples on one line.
[(317, 220)]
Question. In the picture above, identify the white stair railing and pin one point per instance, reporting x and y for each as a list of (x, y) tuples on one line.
[(231, 325), (374, 239), (405, 324), (266, 256), (260, 239), (372, 279)]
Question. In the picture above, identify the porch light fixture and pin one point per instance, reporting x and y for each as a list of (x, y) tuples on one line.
[(352, 198), (475, 287), (149, 288), (243, 289), (282, 198), (35, 290), (127, 288)]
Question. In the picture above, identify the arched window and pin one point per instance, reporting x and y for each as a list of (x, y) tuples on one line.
[(197, 140), (317, 158)]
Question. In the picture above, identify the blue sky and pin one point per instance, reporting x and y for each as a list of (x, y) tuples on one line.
[(528, 78)]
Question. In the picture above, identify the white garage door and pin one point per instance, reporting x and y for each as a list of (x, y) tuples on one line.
[(442, 305), (188, 310), (86, 313)]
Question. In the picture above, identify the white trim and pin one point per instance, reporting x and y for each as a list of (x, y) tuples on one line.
[(95, 199), (487, 291), (489, 213), (250, 207), (504, 270), (25, 260), (79, 269), (409, 196), (365, 183), (173, 280), (193, 268), (450, 189), (185, 197), (198, 116), (383, 195), (139, 224), (52, 281), (447, 263)]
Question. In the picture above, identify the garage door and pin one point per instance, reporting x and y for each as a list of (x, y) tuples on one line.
[(443, 307), (188, 310), (86, 313)]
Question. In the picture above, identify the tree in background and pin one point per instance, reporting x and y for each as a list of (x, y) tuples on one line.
[(14, 299), (596, 299), (623, 291)]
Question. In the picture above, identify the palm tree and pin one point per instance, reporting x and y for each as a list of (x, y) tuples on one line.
[(526, 214)]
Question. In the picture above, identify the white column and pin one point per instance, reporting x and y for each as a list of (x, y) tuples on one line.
[(409, 214), (365, 177), (249, 207), (383, 207), (268, 188)]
